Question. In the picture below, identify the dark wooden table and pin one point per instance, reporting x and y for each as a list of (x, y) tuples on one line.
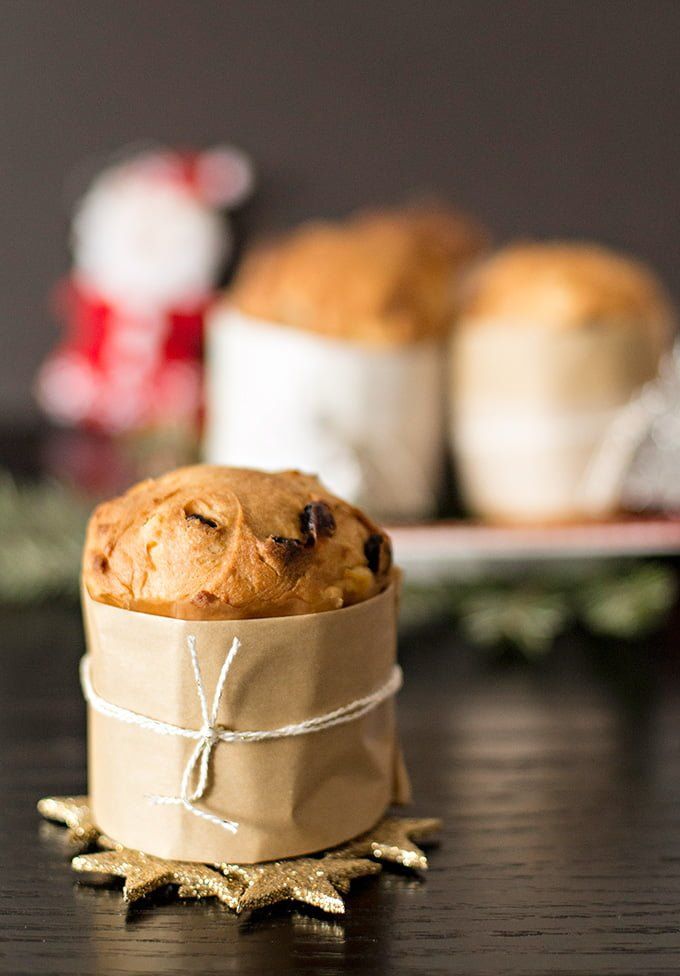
[(559, 785)]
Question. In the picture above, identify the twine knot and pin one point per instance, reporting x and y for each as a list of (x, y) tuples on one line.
[(211, 734)]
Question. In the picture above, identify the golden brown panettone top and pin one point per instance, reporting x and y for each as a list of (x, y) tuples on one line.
[(208, 542), (379, 278), (565, 285)]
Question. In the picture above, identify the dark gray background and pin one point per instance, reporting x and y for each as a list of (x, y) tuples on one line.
[(544, 117)]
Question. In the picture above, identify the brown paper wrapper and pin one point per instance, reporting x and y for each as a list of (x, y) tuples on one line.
[(290, 796)]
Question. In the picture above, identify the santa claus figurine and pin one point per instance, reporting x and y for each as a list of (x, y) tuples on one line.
[(149, 241)]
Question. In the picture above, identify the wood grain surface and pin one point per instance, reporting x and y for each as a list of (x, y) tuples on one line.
[(559, 786)]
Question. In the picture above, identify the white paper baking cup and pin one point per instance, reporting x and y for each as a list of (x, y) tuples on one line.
[(369, 422)]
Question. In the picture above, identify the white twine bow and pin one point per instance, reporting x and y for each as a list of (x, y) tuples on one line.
[(210, 736), (211, 733)]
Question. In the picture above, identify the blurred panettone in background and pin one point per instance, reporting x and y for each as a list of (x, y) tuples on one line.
[(328, 355), (553, 343), (381, 278), (149, 242)]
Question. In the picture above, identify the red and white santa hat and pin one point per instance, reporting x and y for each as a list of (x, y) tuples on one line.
[(221, 177)]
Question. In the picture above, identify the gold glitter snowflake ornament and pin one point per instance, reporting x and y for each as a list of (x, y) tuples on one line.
[(74, 812), (393, 840), (313, 881), (317, 881), (144, 874)]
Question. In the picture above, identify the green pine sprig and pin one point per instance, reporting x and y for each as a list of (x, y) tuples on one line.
[(625, 601), (42, 528), (628, 604)]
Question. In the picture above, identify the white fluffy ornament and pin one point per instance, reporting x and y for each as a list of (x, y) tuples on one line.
[(148, 235)]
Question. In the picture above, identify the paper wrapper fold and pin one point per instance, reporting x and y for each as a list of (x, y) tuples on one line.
[(290, 796)]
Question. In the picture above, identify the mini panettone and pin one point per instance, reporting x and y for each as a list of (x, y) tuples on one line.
[(208, 542), (554, 341), (241, 667), (381, 278), (563, 285), (343, 325)]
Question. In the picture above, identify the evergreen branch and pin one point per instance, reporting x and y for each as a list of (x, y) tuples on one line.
[(42, 528)]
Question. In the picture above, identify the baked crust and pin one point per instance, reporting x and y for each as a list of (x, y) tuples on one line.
[(380, 278), (566, 285), (209, 542)]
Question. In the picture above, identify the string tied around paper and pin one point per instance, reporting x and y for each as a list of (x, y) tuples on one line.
[(195, 776)]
